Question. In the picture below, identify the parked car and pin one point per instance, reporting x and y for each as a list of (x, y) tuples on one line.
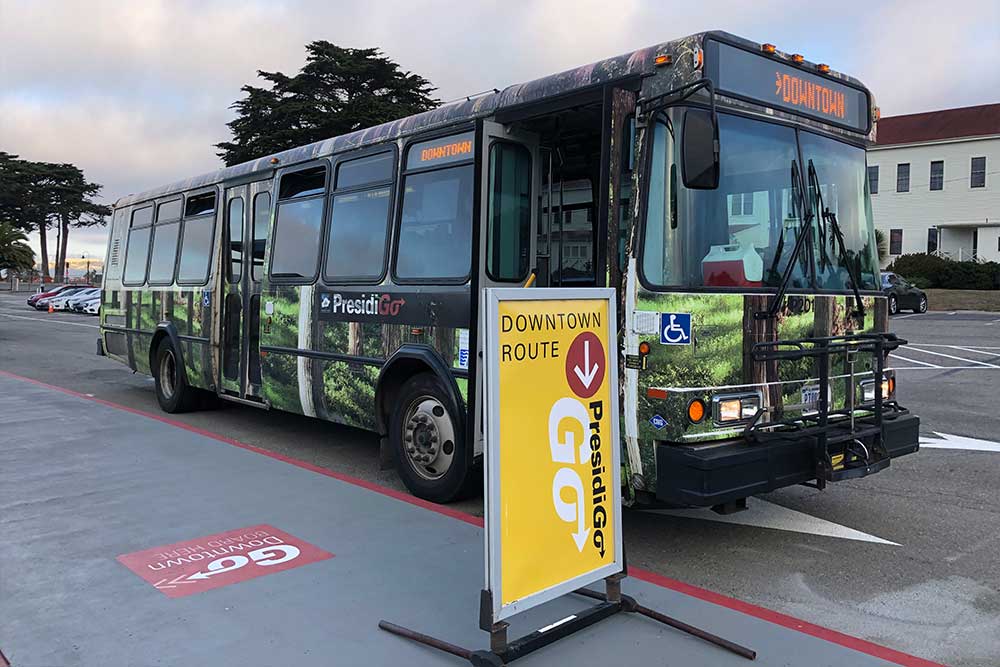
[(80, 305), (93, 307), (59, 297), (45, 293), (902, 294), (81, 296)]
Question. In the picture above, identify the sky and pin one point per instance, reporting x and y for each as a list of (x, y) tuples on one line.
[(136, 92)]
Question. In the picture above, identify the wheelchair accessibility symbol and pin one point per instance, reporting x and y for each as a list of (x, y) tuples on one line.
[(675, 328)]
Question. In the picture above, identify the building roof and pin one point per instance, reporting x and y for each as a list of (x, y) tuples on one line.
[(937, 125)]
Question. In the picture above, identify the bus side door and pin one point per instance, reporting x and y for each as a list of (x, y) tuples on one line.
[(247, 213)]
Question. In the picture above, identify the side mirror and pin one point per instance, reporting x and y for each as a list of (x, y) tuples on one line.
[(700, 150)]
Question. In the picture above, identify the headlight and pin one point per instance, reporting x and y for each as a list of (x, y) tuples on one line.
[(735, 408)]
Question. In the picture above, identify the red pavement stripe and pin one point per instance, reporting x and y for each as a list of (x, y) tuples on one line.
[(784, 620)]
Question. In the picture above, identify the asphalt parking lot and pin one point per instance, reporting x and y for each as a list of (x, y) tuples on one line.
[(906, 558)]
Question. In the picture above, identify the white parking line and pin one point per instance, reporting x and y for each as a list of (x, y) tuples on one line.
[(977, 348), (945, 368), (972, 349), (903, 317), (41, 319), (916, 361), (914, 348)]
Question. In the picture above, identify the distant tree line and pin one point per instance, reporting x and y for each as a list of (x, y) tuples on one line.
[(36, 196)]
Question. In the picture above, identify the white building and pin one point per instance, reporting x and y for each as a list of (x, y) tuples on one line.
[(935, 182)]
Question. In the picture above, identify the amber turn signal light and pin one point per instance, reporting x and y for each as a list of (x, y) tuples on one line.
[(696, 410), (643, 348)]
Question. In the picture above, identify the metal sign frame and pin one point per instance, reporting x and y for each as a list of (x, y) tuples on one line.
[(491, 469)]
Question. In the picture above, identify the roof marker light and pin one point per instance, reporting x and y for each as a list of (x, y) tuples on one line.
[(663, 59), (797, 58), (767, 48), (824, 68)]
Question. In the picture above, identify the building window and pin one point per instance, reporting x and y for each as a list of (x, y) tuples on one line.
[(873, 179), (932, 240), (977, 178), (895, 241), (937, 175), (296, 240), (742, 204), (903, 177)]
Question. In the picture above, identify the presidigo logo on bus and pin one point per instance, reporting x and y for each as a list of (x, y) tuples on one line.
[(364, 304)]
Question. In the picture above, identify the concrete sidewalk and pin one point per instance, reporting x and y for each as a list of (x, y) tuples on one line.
[(82, 483)]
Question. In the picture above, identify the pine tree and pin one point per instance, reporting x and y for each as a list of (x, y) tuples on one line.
[(339, 90)]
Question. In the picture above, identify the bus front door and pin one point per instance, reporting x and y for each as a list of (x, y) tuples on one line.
[(508, 221), (248, 208)]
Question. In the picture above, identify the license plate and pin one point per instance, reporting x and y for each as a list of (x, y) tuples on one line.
[(810, 396)]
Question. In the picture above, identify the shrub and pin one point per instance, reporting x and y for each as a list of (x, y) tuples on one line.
[(930, 271)]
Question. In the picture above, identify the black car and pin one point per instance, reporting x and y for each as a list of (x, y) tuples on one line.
[(902, 294)]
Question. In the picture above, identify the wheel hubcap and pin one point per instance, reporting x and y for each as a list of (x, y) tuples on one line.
[(168, 368), (429, 438)]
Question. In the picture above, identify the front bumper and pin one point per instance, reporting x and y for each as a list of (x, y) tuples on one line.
[(708, 475)]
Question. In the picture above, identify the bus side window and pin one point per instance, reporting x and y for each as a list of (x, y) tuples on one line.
[(197, 239), (137, 246), (359, 220), (261, 218), (166, 232), (508, 237), (296, 239), (435, 226)]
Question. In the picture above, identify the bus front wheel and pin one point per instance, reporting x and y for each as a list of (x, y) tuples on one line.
[(428, 442), (172, 390)]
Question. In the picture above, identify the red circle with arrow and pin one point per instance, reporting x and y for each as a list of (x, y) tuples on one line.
[(585, 364)]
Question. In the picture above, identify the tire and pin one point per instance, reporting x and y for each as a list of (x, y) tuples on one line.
[(922, 306), (172, 390), (423, 427), (893, 304)]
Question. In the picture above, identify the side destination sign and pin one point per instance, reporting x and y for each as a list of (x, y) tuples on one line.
[(552, 469)]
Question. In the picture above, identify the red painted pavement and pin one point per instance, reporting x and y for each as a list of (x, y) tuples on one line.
[(784, 620), (218, 560)]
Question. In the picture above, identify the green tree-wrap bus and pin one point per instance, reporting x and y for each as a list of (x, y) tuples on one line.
[(718, 184)]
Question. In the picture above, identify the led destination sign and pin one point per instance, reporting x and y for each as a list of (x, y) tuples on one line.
[(778, 85)]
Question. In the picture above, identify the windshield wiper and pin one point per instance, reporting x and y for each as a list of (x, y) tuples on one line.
[(830, 218), (805, 233)]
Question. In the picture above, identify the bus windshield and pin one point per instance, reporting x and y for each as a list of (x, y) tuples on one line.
[(741, 235)]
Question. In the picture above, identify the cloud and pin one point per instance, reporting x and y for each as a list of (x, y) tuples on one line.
[(136, 93)]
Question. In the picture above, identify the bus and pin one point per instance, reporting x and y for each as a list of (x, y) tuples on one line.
[(718, 185)]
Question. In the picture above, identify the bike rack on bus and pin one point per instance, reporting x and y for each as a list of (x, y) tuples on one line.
[(832, 427)]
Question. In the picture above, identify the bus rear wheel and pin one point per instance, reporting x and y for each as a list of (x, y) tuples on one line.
[(428, 443), (172, 390)]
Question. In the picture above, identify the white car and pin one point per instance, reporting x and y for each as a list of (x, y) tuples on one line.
[(93, 307)]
